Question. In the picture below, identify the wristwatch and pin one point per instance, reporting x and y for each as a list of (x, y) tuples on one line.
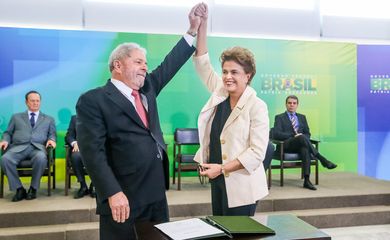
[(224, 172), (191, 33)]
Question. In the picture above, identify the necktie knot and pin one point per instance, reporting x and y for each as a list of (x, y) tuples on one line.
[(135, 93)]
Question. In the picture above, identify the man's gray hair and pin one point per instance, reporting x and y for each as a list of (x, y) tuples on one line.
[(122, 51)]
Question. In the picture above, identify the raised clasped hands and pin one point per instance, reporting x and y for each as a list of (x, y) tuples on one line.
[(197, 15), (202, 11)]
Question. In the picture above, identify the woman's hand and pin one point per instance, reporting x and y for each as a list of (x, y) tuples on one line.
[(211, 170)]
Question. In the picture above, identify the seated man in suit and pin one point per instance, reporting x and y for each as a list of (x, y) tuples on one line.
[(292, 128), (28, 135), (77, 164)]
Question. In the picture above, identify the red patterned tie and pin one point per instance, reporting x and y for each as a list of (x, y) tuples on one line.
[(139, 107)]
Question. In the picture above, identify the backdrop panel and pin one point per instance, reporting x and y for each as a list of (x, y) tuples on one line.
[(373, 110), (63, 64)]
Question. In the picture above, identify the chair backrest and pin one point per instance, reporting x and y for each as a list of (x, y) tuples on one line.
[(186, 136)]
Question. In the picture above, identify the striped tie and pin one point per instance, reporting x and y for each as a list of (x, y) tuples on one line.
[(294, 123)]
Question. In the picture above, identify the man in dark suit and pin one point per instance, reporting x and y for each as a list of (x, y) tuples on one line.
[(76, 160), (120, 138), (28, 135), (292, 128)]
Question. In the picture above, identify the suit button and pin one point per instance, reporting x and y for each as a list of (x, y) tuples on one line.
[(158, 155), (222, 141), (224, 157)]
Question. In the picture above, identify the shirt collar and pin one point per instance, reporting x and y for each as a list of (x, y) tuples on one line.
[(36, 113), (123, 88), (293, 114)]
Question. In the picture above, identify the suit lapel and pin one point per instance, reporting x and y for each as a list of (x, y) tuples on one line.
[(288, 121), (148, 105), (26, 119), (40, 119), (122, 102)]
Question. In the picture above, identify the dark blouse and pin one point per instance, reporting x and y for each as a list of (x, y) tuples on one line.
[(222, 114)]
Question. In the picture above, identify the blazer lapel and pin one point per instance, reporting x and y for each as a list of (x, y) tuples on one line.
[(122, 102), (245, 97), (215, 99)]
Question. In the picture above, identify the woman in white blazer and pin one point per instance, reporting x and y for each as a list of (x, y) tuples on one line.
[(233, 131)]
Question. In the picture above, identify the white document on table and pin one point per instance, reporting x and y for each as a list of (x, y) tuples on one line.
[(189, 229)]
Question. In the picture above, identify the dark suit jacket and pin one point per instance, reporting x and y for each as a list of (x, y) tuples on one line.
[(120, 154), (71, 133), (284, 130)]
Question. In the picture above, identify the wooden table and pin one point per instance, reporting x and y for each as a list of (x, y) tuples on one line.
[(286, 227)]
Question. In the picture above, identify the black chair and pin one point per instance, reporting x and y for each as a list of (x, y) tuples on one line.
[(184, 148), (286, 160), (25, 170), (68, 169)]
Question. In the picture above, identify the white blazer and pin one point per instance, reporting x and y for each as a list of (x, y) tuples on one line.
[(244, 137)]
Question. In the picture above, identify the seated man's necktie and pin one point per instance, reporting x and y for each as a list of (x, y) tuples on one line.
[(294, 123), (32, 119)]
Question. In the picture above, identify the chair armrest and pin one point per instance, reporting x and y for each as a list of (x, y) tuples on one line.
[(50, 154), (314, 141), (68, 150), (276, 141)]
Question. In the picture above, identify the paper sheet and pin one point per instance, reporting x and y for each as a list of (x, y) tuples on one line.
[(188, 229)]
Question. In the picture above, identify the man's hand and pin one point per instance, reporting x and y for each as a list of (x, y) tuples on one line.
[(75, 147), (194, 19), (211, 170), (202, 11), (120, 208), (3, 145), (50, 143)]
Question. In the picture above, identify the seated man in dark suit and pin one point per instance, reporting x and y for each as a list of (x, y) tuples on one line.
[(292, 128), (28, 135), (77, 164)]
